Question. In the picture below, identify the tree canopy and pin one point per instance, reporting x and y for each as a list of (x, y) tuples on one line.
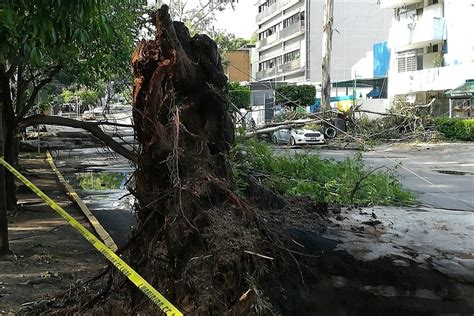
[(295, 95), (239, 95), (85, 40)]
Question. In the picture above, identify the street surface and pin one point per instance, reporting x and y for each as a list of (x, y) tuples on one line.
[(441, 174)]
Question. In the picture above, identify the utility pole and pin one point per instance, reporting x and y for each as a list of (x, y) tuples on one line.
[(327, 48)]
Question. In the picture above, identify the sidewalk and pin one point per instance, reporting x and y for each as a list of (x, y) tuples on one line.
[(49, 255)]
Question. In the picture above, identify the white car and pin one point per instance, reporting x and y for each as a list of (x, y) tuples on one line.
[(98, 110), (88, 116), (295, 136)]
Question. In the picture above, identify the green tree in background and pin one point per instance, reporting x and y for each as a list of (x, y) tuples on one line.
[(39, 40), (227, 41), (294, 96), (239, 95)]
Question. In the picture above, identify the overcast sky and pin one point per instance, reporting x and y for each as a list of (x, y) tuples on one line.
[(240, 21)]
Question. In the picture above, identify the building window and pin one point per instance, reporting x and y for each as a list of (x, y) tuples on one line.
[(268, 64), (293, 19), (410, 60), (419, 13), (269, 32), (265, 5), (289, 57)]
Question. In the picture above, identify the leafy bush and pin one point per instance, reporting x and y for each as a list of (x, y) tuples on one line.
[(239, 95), (342, 182), (456, 128), (294, 96)]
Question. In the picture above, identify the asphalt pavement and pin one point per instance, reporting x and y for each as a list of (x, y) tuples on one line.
[(441, 174)]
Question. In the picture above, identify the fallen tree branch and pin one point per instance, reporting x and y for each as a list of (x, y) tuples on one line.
[(378, 113), (92, 127), (272, 127)]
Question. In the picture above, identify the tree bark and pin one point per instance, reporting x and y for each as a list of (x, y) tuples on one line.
[(327, 48), (4, 245), (183, 123)]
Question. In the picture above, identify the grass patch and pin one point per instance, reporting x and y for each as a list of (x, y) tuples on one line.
[(342, 182)]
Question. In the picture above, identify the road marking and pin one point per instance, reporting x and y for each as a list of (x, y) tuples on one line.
[(121, 265)]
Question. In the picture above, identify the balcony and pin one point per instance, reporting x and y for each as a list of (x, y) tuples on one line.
[(432, 79), (397, 3), (276, 7), (417, 34), (285, 33), (290, 66), (266, 73), (267, 40), (290, 30)]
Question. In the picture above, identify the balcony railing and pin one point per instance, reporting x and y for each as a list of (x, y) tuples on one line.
[(277, 6), (290, 66), (417, 34), (286, 32), (266, 73), (268, 40), (397, 3), (292, 29)]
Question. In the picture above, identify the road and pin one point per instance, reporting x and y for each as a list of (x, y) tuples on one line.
[(441, 174)]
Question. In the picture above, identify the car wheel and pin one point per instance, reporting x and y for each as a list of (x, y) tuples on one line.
[(274, 139), (292, 141), (330, 133)]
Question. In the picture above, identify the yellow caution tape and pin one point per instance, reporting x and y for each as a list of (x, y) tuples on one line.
[(133, 276)]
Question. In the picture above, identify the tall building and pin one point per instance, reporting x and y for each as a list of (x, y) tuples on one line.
[(432, 49), (290, 37)]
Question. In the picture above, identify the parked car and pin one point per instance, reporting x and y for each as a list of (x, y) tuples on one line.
[(98, 110), (88, 116), (295, 136)]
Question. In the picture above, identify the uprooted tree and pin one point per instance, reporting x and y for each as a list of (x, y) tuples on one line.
[(206, 248)]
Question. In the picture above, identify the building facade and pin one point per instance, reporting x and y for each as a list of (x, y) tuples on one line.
[(432, 49), (290, 37), (237, 65)]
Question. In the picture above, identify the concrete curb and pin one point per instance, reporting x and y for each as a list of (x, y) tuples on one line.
[(100, 230)]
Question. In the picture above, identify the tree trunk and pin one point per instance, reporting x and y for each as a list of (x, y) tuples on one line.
[(327, 48), (11, 156), (4, 246), (184, 126)]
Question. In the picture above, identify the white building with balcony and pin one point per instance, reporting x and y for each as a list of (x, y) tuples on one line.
[(432, 48), (290, 38)]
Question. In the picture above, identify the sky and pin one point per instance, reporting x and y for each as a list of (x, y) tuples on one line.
[(240, 21)]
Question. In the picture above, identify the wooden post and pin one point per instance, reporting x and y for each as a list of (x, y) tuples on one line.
[(327, 48)]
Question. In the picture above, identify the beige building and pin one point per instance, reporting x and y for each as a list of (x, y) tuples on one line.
[(237, 65)]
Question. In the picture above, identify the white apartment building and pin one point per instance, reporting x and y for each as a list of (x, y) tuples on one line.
[(432, 48), (290, 37)]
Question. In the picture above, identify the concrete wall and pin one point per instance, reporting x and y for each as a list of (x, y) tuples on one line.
[(459, 16), (374, 105), (434, 79), (359, 24)]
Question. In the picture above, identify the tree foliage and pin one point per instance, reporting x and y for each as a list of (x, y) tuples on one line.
[(239, 95), (294, 96), (228, 41), (86, 40)]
